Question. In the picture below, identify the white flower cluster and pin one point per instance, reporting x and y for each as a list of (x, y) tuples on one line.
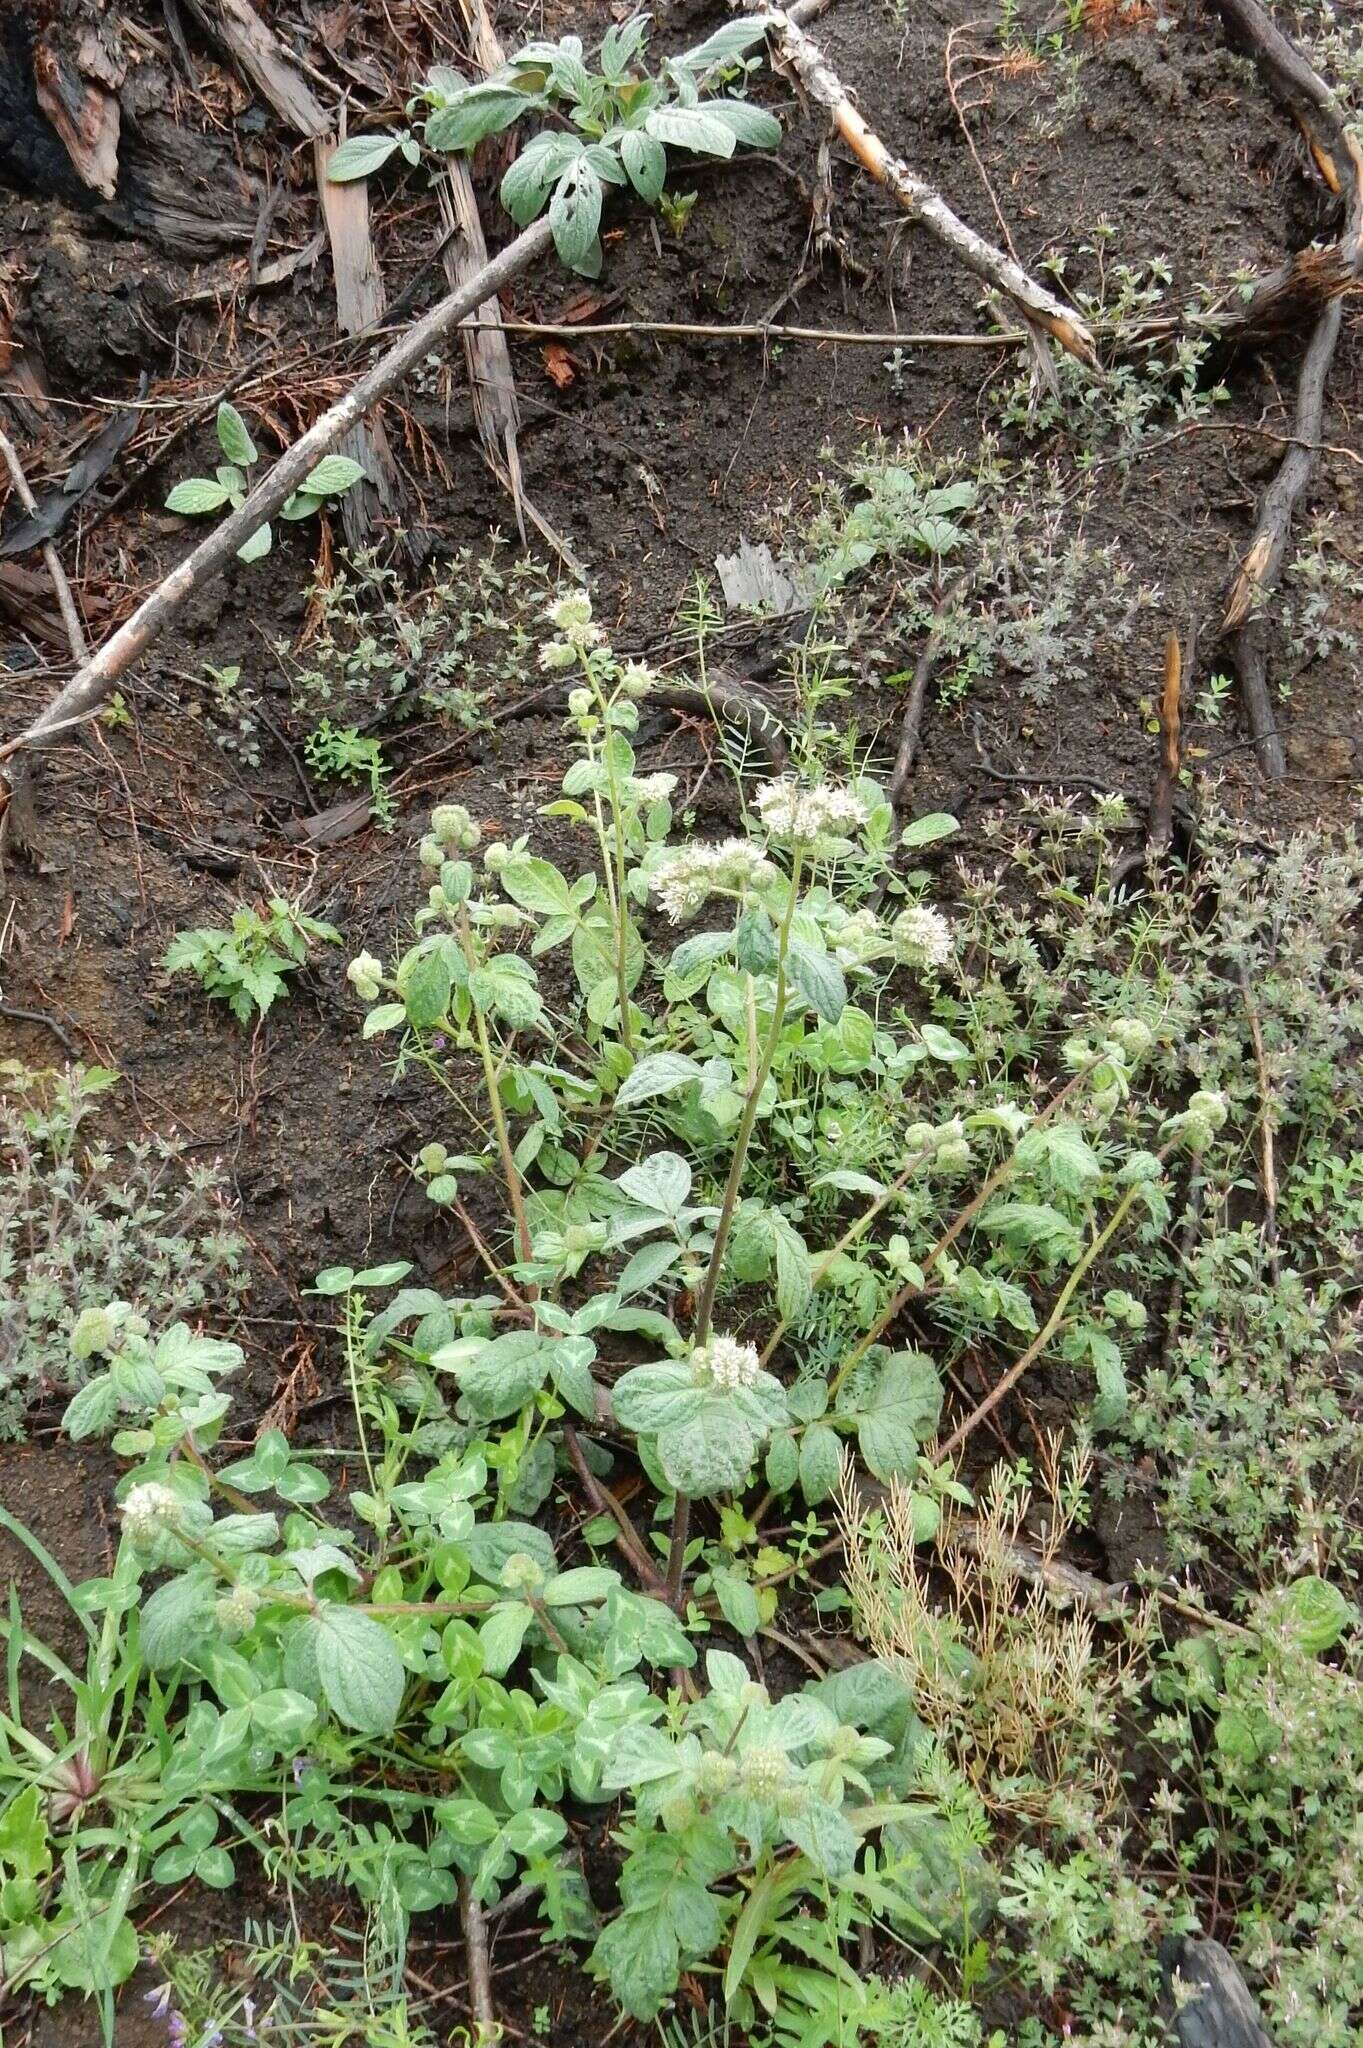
[(234, 1612), (571, 617), (858, 939), (686, 879), (922, 937), (789, 812), (454, 830), (148, 1508), (726, 1364), (649, 789)]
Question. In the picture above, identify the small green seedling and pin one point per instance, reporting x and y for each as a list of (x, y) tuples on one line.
[(196, 496), (622, 120), (246, 967)]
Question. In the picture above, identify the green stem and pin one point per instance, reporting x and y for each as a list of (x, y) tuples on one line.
[(613, 872), (1052, 1323), (676, 1552), (705, 1306), (913, 1288), (510, 1171)]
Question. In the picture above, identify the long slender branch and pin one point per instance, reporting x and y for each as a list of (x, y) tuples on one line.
[(75, 632), (1339, 158), (93, 683), (918, 199)]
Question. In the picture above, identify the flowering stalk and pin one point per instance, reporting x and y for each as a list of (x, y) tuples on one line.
[(510, 1172), (705, 1306), (613, 859)]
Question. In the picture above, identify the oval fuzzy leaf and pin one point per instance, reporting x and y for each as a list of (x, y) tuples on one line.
[(333, 474), (479, 111), (233, 436), (645, 162), (360, 157), (751, 126), (196, 495), (660, 1073), (426, 990), (359, 1669), (575, 216), (176, 1620), (923, 831), (691, 128), (258, 544)]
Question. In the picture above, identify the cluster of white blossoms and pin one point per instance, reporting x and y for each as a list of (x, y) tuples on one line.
[(685, 879), (726, 1364), (236, 1611), (570, 617), (858, 939), (790, 812), (149, 1508), (649, 789), (922, 937)]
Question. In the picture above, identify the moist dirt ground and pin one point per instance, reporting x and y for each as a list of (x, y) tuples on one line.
[(650, 453)]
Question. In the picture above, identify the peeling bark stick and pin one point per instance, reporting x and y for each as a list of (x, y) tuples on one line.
[(75, 632), (1338, 156), (92, 685), (919, 200)]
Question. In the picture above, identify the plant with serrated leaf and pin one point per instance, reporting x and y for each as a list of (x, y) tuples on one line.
[(620, 121), (248, 966), (744, 1809), (198, 496), (717, 1046)]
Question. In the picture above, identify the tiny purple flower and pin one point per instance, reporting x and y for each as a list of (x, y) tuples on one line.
[(301, 1766), (158, 2000)]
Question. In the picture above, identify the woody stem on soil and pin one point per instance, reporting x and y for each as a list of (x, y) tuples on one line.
[(88, 689), (1339, 157), (1038, 307)]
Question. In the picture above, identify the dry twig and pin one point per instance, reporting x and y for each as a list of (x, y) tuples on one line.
[(88, 690), (1340, 159), (1041, 311)]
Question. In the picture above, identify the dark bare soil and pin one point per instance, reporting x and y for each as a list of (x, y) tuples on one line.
[(661, 451)]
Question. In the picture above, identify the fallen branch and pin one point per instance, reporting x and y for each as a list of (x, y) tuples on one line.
[(919, 200), (97, 678), (911, 729), (486, 2031), (75, 632), (1340, 160)]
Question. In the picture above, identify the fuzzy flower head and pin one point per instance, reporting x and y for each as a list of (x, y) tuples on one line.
[(766, 1772), (859, 939), (636, 679), (811, 817), (522, 1573), (365, 975), (685, 879), (922, 937), (150, 1508), (571, 615), (725, 1364), (649, 789), (454, 829), (234, 1612)]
